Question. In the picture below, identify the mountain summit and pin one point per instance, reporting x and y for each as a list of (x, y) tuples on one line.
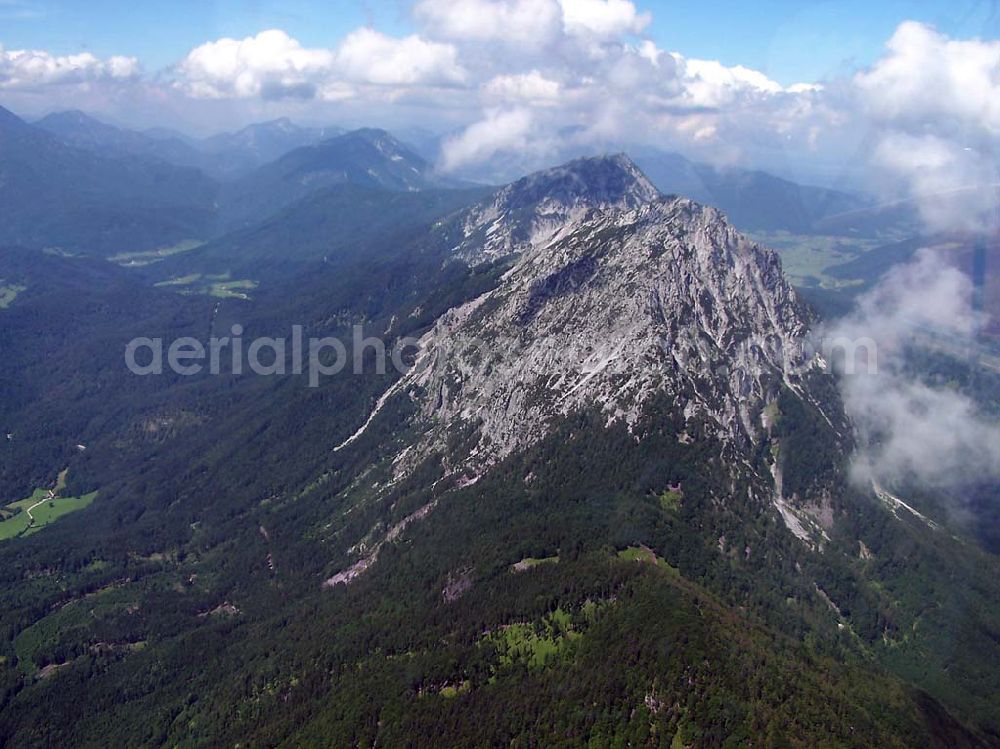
[(611, 308), (367, 157), (533, 209), (618, 301)]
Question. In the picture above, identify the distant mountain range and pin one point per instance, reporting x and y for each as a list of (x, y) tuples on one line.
[(223, 156), (366, 158), (56, 195), (78, 185), (752, 200)]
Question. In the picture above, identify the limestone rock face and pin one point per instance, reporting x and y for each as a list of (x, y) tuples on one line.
[(616, 294), (542, 206)]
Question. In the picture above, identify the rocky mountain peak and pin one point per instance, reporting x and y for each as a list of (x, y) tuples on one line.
[(532, 210), (600, 182), (606, 310)]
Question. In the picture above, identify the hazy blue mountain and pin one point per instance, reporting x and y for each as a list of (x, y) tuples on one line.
[(80, 200), (335, 225), (366, 157), (223, 156), (234, 154), (752, 200), (83, 131)]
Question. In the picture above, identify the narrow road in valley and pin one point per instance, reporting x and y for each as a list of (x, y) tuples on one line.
[(48, 498)]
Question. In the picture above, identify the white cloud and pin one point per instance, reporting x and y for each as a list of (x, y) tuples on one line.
[(954, 185), (273, 65), (934, 106), (499, 130), (603, 18), (709, 83), (529, 22), (514, 21), (927, 78), (36, 68), (270, 65), (527, 87), (908, 429), (368, 56)]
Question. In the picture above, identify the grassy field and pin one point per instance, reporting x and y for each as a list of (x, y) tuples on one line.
[(670, 500), (220, 286), (148, 257), (645, 555), (807, 258), (528, 562), (535, 644), (8, 293), (16, 521)]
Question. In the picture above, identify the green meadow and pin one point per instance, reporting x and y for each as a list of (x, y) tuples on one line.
[(31, 514)]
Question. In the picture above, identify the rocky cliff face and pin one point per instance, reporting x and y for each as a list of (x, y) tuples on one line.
[(616, 295), (616, 300)]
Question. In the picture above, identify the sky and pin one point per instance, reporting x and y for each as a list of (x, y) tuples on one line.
[(902, 97), (789, 40)]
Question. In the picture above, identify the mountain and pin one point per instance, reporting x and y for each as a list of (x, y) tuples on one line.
[(616, 309), (223, 156), (533, 208), (56, 195), (604, 500), (755, 200), (625, 345), (616, 299), (235, 154), (335, 225), (80, 130), (367, 157)]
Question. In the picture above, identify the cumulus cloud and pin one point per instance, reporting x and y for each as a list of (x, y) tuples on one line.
[(925, 78), (603, 18), (526, 87), (26, 69), (708, 83), (368, 56), (909, 430), (629, 94), (527, 22), (273, 65), (269, 65), (499, 130), (514, 21), (934, 106)]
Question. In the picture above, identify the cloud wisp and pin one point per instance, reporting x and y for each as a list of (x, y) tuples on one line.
[(908, 429)]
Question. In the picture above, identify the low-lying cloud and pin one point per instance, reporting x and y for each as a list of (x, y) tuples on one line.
[(908, 429)]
